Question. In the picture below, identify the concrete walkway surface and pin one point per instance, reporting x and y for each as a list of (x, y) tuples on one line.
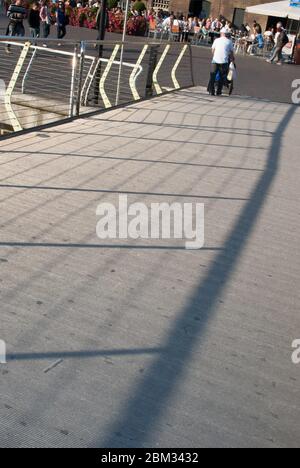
[(145, 344)]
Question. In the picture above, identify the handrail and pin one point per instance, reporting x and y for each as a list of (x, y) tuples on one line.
[(53, 82), (78, 42)]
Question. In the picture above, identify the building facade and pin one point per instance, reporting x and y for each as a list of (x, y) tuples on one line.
[(233, 10)]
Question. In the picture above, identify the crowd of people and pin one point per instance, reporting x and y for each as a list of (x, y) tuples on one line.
[(189, 25), (44, 14), (272, 40), (40, 19)]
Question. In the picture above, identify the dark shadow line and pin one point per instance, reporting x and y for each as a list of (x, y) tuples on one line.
[(148, 399), (139, 138), (101, 246), (207, 115), (80, 354), (117, 192), (116, 158), (234, 97), (198, 128)]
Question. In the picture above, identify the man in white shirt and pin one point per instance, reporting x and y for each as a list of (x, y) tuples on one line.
[(168, 23), (223, 54)]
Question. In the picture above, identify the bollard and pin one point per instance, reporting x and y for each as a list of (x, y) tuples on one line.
[(152, 65)]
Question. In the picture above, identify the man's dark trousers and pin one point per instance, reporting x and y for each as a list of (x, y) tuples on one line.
[(223, 69)]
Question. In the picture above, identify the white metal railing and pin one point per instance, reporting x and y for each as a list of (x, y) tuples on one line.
[(45, 84)]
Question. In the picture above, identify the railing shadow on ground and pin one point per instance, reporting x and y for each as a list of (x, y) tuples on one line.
[(136, 160), (149, 398), (81, 354), (221, 269), (118, 192)]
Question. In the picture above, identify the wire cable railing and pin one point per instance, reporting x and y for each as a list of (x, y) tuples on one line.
[(44, 81)]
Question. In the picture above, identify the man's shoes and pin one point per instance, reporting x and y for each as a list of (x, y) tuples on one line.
[(279, 63), (269, 61)]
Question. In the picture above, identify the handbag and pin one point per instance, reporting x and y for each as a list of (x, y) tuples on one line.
[(232, 74)]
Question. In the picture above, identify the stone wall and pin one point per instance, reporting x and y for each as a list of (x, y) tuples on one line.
[(180, 6), (224, 7)]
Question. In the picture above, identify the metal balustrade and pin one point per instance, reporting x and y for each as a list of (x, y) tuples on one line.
[(43, 81)]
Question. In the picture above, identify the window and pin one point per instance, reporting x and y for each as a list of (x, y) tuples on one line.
[(206, 9), (195, 7), (161, 5), (293, 27), (238, 17)]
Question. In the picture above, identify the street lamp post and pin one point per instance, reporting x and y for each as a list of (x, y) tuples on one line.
[(102, 22), (122, 53), (101, 37)]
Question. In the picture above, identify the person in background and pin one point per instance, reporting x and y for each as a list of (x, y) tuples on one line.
[(208, 24), (61, 21), (216, 25), (258, 44), (269, 39), (16, 14), (184, 28), (269, 33), (34, 20), (281, 40), (45, 20), (168, 23), (229, 27), (257, 29), (196, 22), (244, 31)]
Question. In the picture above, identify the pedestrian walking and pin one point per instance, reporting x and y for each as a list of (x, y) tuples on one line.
[(184, 28), (223, 55), (16, 14), (45, 20), (61, 21), (281, 40), (34, 20)]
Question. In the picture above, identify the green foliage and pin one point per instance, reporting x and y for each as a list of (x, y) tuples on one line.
[(139, 7), (112, 4)]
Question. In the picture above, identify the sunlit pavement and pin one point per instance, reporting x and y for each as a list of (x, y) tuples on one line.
[(143, 343)]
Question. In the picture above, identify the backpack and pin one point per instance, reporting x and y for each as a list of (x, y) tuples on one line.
[(283, 39)]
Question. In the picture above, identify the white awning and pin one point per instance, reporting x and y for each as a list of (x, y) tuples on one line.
[(278, 9)]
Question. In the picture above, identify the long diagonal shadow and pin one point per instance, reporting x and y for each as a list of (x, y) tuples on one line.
[(80, 354), (57, 245), (148, 400), (117, 192)]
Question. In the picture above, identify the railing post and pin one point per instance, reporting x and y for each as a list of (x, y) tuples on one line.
[(192, 65), (73, 81), (80, 75), (152, 66), (135, 73), (27, 70), (11, 87), (122, 54)]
